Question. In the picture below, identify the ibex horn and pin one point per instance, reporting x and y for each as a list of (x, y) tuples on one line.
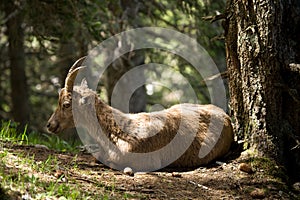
[(69, 82)]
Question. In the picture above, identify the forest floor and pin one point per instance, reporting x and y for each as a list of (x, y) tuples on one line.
[(35, 172)]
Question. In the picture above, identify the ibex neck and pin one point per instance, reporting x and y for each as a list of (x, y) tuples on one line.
[(112, 122)]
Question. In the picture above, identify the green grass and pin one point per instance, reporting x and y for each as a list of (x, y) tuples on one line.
[(9, 132), (25, 178), (34, 178)]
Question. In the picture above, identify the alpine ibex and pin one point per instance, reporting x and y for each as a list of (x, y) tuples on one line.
[(204, 130)]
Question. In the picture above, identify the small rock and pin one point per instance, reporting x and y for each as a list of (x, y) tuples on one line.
[(220, 163), (26, 197), (244, 167), (128, 171), (176, 174), (258, 193), (41, 146)]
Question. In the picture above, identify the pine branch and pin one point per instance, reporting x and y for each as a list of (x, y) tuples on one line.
[(214, 18)]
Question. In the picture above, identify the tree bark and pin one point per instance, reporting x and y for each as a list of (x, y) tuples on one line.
[(261, 47), (19, 89), (137, 103)]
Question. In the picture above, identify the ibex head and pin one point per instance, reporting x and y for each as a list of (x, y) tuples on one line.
[(62, 118)]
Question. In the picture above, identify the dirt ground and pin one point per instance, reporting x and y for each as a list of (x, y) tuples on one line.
[(234, 178)]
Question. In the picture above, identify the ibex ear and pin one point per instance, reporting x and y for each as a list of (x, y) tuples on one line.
[(84, 83)]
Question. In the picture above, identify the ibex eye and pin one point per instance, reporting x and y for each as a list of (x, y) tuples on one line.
[(66, 104)]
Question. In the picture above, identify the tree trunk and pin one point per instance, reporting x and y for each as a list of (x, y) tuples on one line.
[(262, 43), (137, 102), (19, 89)]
